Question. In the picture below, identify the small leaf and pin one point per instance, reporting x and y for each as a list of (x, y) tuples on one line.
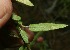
[(15, 17), (27, 2), (24, 35), (21, 48), (46, 26), (20, 22)]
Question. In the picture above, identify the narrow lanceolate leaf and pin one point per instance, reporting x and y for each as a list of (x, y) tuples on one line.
[(46, 26), (27, 2), (24, 35)]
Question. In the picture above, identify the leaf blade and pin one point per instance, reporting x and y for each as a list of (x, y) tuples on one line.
[(16, 17), (24, 35), (27, 2), (46, 26)]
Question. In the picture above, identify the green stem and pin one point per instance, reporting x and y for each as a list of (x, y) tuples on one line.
[(35, 38)]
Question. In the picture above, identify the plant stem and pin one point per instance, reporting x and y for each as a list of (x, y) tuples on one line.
[(35, 38)]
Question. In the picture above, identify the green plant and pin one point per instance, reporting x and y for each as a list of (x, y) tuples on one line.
[(33, 27)]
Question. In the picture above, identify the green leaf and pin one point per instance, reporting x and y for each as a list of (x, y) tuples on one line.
[(16, 17), (27, 2), (46, 26), (21, 48), (24, 35)]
